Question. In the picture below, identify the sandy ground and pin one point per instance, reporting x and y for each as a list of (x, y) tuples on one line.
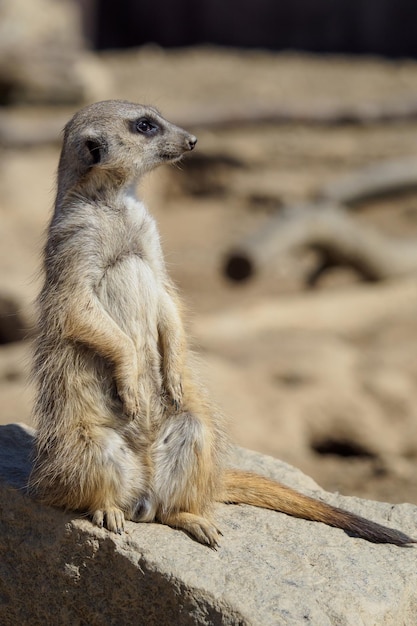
[(337, 401)]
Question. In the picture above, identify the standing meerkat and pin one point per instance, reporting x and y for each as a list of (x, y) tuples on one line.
[(125, 429)]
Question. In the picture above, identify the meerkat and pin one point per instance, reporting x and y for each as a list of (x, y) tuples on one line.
[(125, 430)]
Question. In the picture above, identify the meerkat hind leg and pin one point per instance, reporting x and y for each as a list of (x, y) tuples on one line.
[(182, 478), (119, 478)]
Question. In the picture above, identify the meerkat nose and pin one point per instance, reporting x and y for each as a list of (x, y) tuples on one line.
[(191, 141)]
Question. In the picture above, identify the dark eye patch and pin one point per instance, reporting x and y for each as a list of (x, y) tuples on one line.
[(145, 126)]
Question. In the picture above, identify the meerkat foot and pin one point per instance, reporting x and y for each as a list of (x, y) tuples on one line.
[(112, 518), (198, 527)]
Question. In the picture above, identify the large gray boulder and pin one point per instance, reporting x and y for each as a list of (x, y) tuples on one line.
[(271, 569)]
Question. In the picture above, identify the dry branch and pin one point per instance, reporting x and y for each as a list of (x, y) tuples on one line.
[(376, 180), (325, 226), (330, 230)]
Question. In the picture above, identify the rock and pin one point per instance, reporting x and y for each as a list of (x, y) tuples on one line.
[(43, 56), (57, 568)]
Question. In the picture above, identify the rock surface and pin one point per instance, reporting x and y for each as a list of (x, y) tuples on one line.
[(270, 569)]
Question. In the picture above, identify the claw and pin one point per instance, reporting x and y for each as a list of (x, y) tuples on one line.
[(174, 391), (112, 518), (98, 519)]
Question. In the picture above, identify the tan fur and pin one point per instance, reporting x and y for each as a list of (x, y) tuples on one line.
[(125, 430)]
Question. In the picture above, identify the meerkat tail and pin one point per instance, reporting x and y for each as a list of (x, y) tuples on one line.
[(247, 488)]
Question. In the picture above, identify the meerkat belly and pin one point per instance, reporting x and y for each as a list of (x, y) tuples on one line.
[(129, 291)]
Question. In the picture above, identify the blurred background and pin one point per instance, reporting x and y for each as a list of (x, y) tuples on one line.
[(291, 231)]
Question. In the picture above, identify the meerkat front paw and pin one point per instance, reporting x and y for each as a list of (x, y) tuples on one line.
[(131, 404), (126, 377), (129, 398), (111, 518), (174, 390)]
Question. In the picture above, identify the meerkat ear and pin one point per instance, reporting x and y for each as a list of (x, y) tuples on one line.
[(96, 149)]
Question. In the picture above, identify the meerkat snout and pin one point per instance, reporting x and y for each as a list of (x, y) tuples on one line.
[(191, 141)]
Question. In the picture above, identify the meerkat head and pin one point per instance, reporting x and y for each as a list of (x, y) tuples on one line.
[(122, 138)]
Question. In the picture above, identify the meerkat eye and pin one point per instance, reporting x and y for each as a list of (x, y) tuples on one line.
[(145, 126)]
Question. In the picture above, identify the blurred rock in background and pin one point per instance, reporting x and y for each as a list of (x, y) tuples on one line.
[(43, 54)]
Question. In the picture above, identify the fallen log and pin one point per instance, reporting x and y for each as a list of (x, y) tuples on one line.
[(330, 230), (376, 180), (325, 226)]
